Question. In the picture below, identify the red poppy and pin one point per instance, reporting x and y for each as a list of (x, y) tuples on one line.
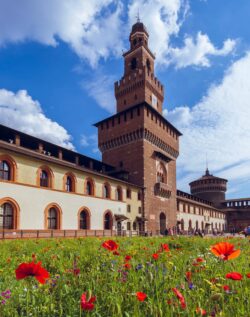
[(199, 260), (226, 288), (201, 311), (110, 245), (155, 256), (128, 258), (87, 304), (188, 275), (127, 266), (180, 297), (225, 251), (165, 247), (32, 269), (234, 276), (116, 252), (248, 275), (141, 296)]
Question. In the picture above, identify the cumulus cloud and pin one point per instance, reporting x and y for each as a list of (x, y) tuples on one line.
[(90, 141), (198, 52), (92, 28), (98, 29), (101, 88), (219, 126), (21, 112)]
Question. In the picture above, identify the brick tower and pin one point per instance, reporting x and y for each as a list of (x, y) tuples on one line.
[(138, 139)]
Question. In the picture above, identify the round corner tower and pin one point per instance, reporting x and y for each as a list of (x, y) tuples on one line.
[(210, 188)]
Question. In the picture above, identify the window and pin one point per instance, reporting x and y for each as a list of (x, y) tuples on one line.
[(139, 195), (108, 222), (106, 190), (69, 184), (6, 216), (161, 173), (89, 187), (5, 171), (134, 225), (84, 219), (133, 63), (128, 226), (139, 210), (53, 218), (128, 193), (44, 179), (118, 194), (128, 208)]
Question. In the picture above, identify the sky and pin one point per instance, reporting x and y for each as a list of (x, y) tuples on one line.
[(59, 60)]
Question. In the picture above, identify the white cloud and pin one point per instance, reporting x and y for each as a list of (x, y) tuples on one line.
[(96, 29), (219, 126), (100, 87), (198, 52), (90, 141), (92, 28), (21, 112)]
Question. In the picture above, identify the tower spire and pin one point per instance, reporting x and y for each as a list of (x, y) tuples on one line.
[(138, 16), (207, 170)]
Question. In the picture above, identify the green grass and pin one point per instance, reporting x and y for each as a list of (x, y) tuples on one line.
[(102, 274)]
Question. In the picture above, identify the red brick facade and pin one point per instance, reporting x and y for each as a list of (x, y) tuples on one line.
[(139, 139)]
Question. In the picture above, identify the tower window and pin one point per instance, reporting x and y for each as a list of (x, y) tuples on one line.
[(134, 42), (148, 64), (133, 63)]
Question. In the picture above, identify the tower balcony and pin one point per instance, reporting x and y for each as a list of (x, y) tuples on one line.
[(162, 190)]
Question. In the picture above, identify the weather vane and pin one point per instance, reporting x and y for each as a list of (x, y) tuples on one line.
[(138, 16)]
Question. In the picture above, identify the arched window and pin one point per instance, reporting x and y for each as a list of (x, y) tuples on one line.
[(69, 184), (5, 171), (118, 194), (162, 223), (106, 191), (134, 225), (45, 177), (161, 174), (53, 214), (190, 224), (52, 218), (197, 225), (89, 187), (84, 219), (6, 216), (108, 221), (182, 224)]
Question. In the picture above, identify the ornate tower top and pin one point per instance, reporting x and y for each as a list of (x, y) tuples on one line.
[(139, 83)]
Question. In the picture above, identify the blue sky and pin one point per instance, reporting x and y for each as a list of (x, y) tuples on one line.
[(60, 58)]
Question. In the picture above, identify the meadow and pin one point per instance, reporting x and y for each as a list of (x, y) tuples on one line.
[(130, 277)]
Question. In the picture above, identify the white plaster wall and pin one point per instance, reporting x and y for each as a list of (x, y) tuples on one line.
[(33, 201)]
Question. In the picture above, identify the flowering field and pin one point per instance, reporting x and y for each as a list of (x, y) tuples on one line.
[(126, 277)]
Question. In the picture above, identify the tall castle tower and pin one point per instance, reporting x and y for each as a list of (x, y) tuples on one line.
[(138, 139)]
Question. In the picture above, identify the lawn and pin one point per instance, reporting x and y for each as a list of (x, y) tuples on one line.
[(131, 277)]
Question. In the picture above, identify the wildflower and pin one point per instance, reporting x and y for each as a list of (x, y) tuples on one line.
[(201, 311), (248, 275), (128, 257), (127, 266), (155, 256), (164, 247), (32, 269), (226, 288), (116, 252), (138, 267), (87, 304), (199, 260), (225, 251), (188, 276), (110, 245), (180, 297), (141, 296), (234, 276)]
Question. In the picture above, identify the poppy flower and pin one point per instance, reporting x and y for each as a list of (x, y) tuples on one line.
[(32, 269), (225, 251), (248, 275), (180, 297), (199, 260), (201, 311), (141, 296), (116, 252), (128, 258), (226, 288), (165, 247), (155, 256), (188, 275), (87, 304), (234, 276), (127, 266), (110, 245)]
